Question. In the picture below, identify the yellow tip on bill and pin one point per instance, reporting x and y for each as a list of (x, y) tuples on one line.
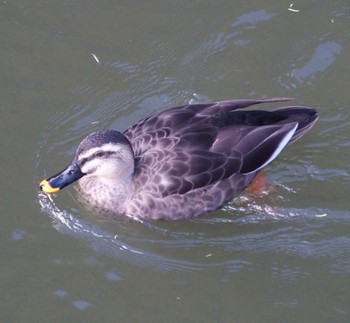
[(47, 188)]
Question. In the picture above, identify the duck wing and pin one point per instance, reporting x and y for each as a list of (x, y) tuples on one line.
[(196, 150)]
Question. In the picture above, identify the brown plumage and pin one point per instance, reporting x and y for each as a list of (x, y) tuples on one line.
[(184, 161)]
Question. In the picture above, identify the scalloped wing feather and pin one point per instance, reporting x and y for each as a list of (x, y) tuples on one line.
[(189, 162)]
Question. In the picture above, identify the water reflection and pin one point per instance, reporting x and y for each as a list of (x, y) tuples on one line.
[(324, 56), (252, 18)]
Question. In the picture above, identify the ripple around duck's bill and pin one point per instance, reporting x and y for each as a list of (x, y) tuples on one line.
[(106, 242), (221, 240)]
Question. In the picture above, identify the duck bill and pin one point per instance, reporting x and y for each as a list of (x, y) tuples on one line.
[(68, 176)]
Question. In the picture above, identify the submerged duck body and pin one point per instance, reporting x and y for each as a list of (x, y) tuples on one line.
[(184, 161)]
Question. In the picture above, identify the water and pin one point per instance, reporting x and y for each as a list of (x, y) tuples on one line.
[(72, 67)]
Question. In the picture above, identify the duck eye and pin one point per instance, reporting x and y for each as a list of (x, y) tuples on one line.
[(100, 154)]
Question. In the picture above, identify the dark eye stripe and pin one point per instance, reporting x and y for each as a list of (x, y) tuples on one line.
[(99, 154)]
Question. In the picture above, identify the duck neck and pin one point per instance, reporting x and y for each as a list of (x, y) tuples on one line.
[(105, 194)]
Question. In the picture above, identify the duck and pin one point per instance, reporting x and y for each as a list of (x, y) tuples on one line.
[(183, 162)]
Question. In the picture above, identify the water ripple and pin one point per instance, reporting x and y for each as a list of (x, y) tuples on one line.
[(201, 243)]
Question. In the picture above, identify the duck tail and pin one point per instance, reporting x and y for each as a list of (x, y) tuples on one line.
[(304, 116)]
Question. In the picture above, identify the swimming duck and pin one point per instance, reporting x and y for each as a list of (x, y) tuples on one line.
[(183, 162)]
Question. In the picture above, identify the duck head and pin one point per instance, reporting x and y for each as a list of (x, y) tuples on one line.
[(106, 155)]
